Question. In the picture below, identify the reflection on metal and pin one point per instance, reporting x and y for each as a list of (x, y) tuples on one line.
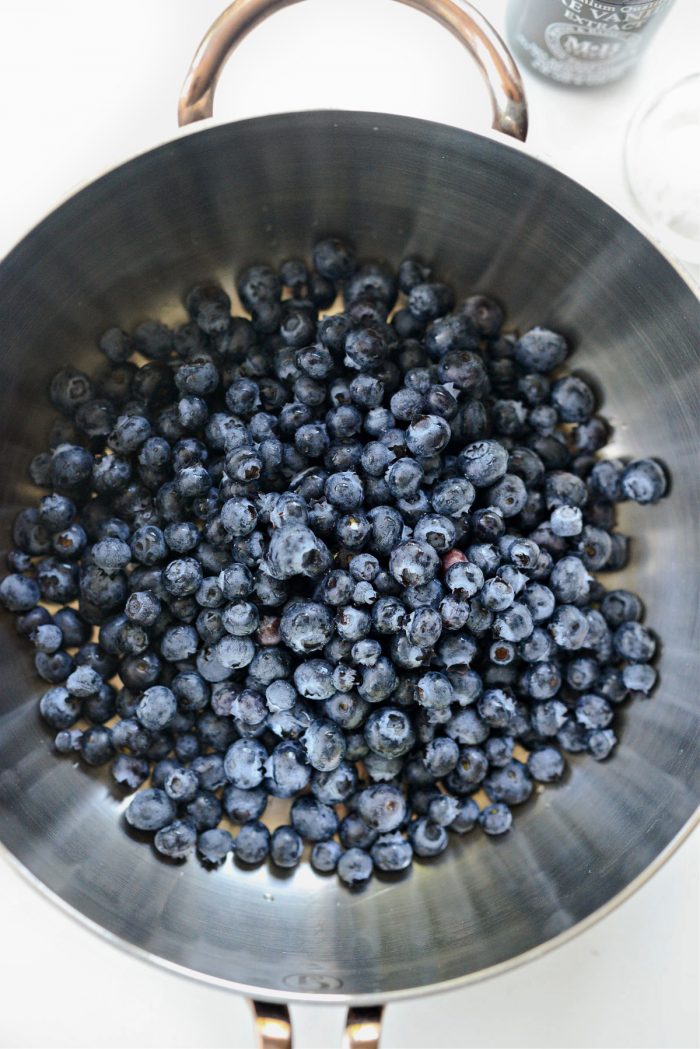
[(363, 1027), (273, 1026)]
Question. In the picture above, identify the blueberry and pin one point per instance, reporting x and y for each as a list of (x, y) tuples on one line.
[(252, 843), (209, 307), (570, 581), (593, 711), (129, 771), (153, 340), (573, 399), (443, 810), (568, 627), (644, 481), (496, 819), (639, 677), (150, 810), (258, 284), (466, 727), (148, 546), (372, 281), (485, 314), (548, 717), (18, 562), (566, 521), (392, 853), (467, 816), (546, 764), (182, 576), (181, 785), (511, 784), (241, 804), (235, 581), (600, 743), (19, 593), (496, 707), (313, 820), (286, 847), (413, 563), (514, 624), (287, 769), (129, 433), (101, 707), (83, 682), (306, 626), (56, 512), (295, 550), (204, 810), (483, 462), (540, 350), (378, 682), (427, 301), (634, 642), (325, 855), (69, 389), (441, 756), (433, 691), (389, 732), (30, 534), (156, 708), (334, 258), (324, 745), (499, 750), (46, 637), (411, 273), (116, 345), (59, 708), (214, 845), (447, 334), (382, 807), (96, 747), (355, 867), (427, 436), (176, 840), (620, 606), (423, 627), (427, 838)]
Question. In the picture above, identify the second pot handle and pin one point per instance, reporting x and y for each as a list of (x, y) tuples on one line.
[(463, 21), (273, 1026)]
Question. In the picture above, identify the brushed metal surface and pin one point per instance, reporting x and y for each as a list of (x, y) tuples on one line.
[(490, 218)]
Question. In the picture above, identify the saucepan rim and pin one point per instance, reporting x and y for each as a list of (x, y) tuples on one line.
[(334, 120)]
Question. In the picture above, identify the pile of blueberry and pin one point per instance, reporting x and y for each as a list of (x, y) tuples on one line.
[(343, 559)]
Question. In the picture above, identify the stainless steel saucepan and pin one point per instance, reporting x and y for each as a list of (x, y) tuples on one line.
[(491, 218)]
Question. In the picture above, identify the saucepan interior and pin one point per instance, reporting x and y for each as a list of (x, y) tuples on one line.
[(492, 219)]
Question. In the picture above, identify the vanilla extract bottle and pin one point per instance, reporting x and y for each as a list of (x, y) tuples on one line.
[(583, 43)]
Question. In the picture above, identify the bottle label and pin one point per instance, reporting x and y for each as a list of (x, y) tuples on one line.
[(594, 42)]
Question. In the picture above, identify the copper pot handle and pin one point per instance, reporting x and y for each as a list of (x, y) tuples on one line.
[(273, 1026), (463, 21)]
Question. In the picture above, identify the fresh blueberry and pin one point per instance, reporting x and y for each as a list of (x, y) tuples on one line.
[(355, 867), (286, 847), (496, 819), (325, 855), (644, 481), (546, 764)]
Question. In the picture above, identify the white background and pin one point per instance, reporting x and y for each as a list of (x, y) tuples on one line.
[(83, 85)]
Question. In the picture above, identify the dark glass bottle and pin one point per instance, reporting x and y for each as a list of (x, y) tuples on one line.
[(582, 42)]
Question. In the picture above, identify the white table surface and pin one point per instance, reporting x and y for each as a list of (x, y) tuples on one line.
[(83, 85)]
